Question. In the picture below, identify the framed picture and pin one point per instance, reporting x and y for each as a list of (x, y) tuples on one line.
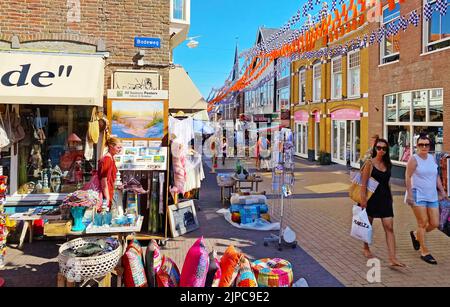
[(183, 218), (138, 119)]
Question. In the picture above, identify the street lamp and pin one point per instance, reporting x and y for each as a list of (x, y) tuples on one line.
[(192, 42)]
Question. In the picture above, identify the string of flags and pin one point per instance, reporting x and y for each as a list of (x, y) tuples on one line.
[(293, 44)]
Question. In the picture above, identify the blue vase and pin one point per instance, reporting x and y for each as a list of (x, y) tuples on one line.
[(77, 214)]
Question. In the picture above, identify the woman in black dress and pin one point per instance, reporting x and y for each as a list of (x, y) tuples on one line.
[(380, 204)]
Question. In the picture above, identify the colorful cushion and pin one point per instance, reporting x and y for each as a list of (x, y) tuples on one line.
[(275, 272), (195, 266), (168, 276), (134, 271), (246, 278), (214, 272), (229, 265), (136, 246), (152, 262)]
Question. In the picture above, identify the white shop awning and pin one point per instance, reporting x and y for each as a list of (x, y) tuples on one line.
[(51, 79)]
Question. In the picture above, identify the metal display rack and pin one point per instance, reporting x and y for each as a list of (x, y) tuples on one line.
[(283, 179)]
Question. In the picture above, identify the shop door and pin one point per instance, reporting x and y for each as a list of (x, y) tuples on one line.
[(346, 142), (302, 140)]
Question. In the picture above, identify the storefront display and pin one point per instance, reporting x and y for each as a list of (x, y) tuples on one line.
[(346, 137), (409, 114)]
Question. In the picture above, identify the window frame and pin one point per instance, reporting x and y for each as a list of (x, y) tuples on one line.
[(301, 99), (411, 124), (349, 75), (332, 77), (394, 56), (315, 99), (426, 27)]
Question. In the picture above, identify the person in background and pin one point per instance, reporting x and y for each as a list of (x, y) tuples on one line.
[(368, 154), (380, 204), (224, 150), (107, 169), (424, 190), (264, 151)]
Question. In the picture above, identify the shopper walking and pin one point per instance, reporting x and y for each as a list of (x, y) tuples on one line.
[(380, 204), (224, 150), (107, 169), (424, 191)]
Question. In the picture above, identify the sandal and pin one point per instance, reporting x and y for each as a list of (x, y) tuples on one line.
[(415, 243), (429, 259)]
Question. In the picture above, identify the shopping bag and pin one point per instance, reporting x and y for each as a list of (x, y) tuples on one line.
[(356, 179), (361, 227), (94, 127)]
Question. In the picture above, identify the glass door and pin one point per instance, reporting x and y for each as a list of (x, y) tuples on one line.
[(317, 141), (339, 136), (355, 142), (302, 140)]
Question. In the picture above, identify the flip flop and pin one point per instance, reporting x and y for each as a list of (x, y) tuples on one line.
[(428, 259), (399, 265), (415, 243)]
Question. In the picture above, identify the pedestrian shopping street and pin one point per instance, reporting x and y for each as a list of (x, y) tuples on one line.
[(320, 215)]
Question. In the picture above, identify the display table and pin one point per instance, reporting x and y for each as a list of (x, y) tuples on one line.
[(28, 224), (225, 181), (254, 181)]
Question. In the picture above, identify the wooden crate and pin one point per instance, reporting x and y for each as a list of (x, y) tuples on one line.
[(57, 228)]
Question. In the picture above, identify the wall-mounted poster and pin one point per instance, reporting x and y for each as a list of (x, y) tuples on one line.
[(142, 159), (137, 119)]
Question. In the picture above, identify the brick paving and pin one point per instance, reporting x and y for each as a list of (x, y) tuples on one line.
[(326, 255)]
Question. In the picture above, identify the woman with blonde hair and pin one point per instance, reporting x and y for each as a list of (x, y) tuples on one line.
[(107, 169)]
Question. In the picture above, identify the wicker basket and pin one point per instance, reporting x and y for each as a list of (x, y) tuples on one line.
[(78, 269)]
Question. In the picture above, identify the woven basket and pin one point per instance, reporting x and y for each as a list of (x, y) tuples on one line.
[(78, 269)]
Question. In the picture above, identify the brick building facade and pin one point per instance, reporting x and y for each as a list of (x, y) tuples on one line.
[(413, 80)]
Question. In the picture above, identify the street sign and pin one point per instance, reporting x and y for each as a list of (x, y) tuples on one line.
[(147, 42)]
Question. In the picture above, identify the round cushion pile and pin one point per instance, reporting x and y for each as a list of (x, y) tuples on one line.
[(274, 272)]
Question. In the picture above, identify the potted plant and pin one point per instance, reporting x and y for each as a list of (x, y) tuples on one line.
[(324, 158), (78, 202)]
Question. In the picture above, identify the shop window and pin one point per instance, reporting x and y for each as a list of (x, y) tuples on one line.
[(317, 85), (55, 163), (390, 46), (437, 29), (336, 78), (179, 9), (353, 74), (283, 99), (417, 112), (302, 86)]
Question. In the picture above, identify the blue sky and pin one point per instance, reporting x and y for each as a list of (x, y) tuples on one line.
[(219, 22)]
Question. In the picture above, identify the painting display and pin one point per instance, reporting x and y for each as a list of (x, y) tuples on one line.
[(137, 119)]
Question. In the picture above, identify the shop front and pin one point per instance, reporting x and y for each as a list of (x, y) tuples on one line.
[(46, 102), (407, 115), (301, 119), (346, 137)]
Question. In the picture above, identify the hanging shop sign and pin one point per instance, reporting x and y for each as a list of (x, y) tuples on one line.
[(346, 114), (259, 118), (138, 94), (142, 159), (301, 116), (136, 80), (50, 79), (147, 42)]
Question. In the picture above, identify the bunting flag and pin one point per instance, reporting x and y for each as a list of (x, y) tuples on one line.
[(402, 23), (427, 11), (441, 7), (414, 18)]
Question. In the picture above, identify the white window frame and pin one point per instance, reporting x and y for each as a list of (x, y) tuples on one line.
[(333, 85), (349, 75), (383, 56), (315, 67), (426, 25), (301, 80), (186, 18), (411, 123)]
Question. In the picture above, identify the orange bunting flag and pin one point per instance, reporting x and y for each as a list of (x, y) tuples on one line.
[(391, 5)]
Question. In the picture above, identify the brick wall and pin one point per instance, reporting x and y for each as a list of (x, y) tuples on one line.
[(116, 22), (413, 71)]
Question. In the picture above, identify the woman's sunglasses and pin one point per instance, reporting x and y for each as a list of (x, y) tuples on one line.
[(381, 148), (423, 145)]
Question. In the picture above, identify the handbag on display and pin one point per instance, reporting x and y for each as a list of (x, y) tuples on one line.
[(356, 186), (94, 127)]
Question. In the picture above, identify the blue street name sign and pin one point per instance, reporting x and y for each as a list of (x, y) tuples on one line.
[(147, 42)]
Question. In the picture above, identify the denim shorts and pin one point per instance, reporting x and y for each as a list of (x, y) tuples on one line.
[(423, 203)]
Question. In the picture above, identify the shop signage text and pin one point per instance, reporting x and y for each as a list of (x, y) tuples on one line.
[(20, 78), (147, 42), (346, 114), (140, 94), (259, 118)]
